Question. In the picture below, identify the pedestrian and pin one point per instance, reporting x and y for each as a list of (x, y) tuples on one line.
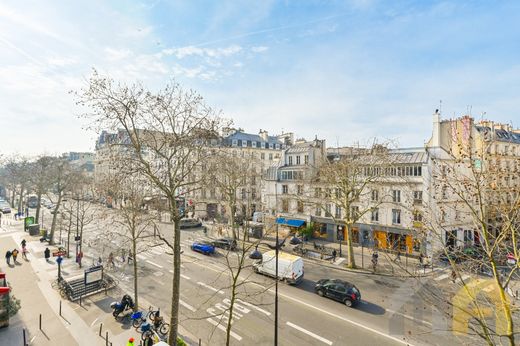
[(334, 253), (15, 255), (130, 256), (453, 275), (148, 341), (398, 257), (15, 216), (421, 258), (47, 254), (99, 261), (26, 211), (130, 342), (23, 243), (8, 255), (123, 259), (79, 257), (24, 252), (110, 261)]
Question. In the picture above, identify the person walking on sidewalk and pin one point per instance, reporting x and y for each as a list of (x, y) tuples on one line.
[(375, 256), (47, 254), (130, 256), (398, 257), (15, 255), (334, 254), (8, 255), (110, 261)]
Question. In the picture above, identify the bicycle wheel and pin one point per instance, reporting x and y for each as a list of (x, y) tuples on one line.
[(137, 322), (164, 328), (151, 315), (145, 334)]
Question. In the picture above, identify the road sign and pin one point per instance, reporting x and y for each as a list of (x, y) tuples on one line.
[(77, 238), (59, 260)]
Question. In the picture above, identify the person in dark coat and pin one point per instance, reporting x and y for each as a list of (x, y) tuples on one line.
[(47, 254), (8, 257)]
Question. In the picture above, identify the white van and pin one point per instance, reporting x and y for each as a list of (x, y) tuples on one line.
[(290, 267)]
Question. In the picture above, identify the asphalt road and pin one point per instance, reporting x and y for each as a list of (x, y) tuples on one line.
[(393, 310)]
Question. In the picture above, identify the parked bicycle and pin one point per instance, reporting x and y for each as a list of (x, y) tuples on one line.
[(138, 318)]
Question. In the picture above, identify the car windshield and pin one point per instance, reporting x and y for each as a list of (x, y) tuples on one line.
[(355, 290)]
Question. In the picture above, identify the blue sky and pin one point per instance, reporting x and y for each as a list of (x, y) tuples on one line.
[(346, 71)]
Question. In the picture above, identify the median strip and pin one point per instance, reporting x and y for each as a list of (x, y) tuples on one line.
[(303, 330)]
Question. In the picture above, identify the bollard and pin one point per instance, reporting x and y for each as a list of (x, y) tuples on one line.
[(24, 338), (100, 328), (106, 339), (60, 307), (200, 342), (40, 321)]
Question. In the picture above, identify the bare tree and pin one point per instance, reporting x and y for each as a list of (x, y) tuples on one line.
[(347, 180), (39, 179), (475, 189), (163, 136)]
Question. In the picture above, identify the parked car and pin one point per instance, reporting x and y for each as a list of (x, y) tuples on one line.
[(190, 223), (204, 247), (225, 243), (5, 209), (455, 257), (339, 290), (290, 267)]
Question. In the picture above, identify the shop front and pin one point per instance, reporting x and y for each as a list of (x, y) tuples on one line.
[(395, 239)]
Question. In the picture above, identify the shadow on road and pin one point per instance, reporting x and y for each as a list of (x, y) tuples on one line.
[(370, 308)]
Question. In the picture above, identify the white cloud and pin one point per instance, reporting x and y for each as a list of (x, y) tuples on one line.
[(259, 49), (187, 51), (116, 54)]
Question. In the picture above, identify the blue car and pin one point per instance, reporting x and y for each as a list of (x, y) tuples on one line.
[(204, 247)]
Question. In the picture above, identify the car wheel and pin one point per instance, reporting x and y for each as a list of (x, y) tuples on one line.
[(320, 293), (348, 303)]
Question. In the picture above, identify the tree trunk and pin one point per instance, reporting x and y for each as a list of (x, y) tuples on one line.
[(134, 262), (38, 207), (20, 201), (174, 319), (351, 260), (13, 194), (53, 225)]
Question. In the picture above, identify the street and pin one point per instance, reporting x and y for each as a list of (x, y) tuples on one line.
[(392, 311)]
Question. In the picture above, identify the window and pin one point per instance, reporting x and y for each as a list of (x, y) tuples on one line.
[(338, 212), (290, 160), (234, 143), (327, 193), (285, 205), (417, 196), (327, 210), (396, 196), (298, 159), (243, 193), (317, 192), (253, 194), (374, 217), (262, 156), (375, 196), (318, 210), (253, 180), (354, 213), (396, 216), (299, 189), (417, 216), (203, 193), (277, 146), (271, 157), (244, 143), (285, 189), (270, 145), (306, 159), (253, 144), (212, 193), (300, 206)]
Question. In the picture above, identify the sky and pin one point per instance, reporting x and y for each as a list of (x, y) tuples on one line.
[(344, 71)]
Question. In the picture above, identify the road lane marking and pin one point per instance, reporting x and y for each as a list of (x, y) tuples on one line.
[(210, 288), (408, 317), (156, 252), (187, 306), (182, 275), (254, 307), (221, 327), (315, 336), (325, 311), (441, 277), (141, 257), (154, 264)]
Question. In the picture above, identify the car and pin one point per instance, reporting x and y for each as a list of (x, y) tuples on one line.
[(225, 243), (189, 223), (339, 290), (204, 247), (455, 257), (5, 209)]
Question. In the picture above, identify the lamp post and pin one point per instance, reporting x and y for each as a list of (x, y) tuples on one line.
[(257, 255)]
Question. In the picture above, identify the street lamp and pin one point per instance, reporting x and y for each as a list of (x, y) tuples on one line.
[(257, 255)]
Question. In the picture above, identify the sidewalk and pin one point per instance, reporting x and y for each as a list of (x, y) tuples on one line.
[(362, 255)]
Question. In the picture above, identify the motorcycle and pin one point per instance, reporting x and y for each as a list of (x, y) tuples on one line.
[(122, 307)]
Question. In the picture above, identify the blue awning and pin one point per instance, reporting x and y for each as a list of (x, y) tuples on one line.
[(289, 222)]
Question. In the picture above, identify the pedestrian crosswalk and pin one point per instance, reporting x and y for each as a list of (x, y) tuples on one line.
[(445, 275)]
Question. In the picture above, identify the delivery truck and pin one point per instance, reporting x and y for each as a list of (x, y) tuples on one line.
[(290, 267)]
